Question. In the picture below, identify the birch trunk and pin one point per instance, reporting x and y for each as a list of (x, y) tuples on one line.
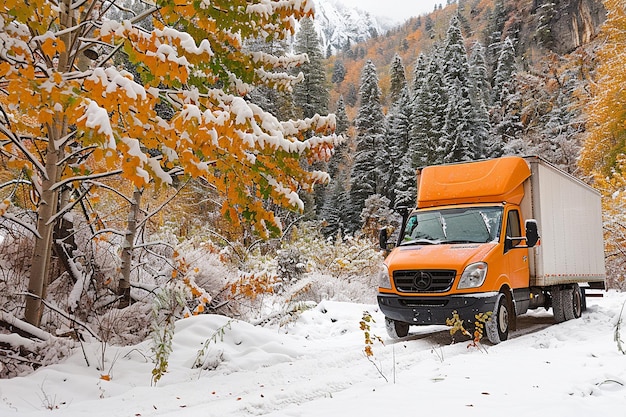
[(123, 289), (38, 280)]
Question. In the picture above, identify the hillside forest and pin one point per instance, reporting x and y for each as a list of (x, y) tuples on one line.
[(162, 160)]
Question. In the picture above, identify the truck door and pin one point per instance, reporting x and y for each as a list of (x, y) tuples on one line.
[(516, 258)]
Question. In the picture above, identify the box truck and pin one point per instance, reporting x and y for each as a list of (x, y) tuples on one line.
[(502, 235)]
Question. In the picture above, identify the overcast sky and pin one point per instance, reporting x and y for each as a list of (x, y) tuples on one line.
[(399, 10)]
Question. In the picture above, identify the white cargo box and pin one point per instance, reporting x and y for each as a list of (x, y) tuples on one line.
[(569, 217)]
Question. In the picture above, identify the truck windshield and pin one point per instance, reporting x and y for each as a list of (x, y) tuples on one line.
[(457, 225)]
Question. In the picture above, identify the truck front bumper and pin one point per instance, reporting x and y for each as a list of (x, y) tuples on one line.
[(435, 310)]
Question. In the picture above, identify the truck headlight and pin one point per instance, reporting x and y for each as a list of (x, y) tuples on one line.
[(383, 277), (473, 276)]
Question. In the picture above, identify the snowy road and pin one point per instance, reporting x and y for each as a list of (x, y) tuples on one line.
[(316, 367)]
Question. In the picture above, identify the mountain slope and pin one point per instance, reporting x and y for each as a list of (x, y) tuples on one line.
[(339, 26)]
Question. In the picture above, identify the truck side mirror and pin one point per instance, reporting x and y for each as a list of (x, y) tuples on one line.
[(532, 234), (383, 238)]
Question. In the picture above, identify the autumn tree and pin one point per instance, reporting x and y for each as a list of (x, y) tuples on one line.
[(68, 116), (605, 142), (603, 154)]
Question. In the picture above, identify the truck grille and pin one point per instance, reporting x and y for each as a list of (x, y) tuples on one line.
[(424, 280)]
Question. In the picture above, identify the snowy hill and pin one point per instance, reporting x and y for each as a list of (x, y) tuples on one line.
[(315, 366), (338, 24)]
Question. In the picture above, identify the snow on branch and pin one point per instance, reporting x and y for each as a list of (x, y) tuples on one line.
[(13, 321)]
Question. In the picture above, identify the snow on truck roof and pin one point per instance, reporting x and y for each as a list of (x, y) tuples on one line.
[(487, 181)]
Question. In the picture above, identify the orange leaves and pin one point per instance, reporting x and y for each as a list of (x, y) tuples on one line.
[(52, 46), (606, 123), (199, 296), (252, 285), (365, 327), (245, 153)]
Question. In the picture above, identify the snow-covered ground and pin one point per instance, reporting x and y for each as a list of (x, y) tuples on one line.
[(316, 367)]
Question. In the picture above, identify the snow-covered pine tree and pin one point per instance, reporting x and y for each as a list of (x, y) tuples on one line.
[(506, 126), (463, 133), (339, 72), (310, 95), (396, 143), (493, 36), (277, 102), (336, 199), (397, 78), (559, 141), (365, 177), (429, 112), (339, 158), (419, 73), (480, 93), (478, 71)]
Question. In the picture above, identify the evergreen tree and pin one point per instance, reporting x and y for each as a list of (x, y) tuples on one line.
[(340, 156), (545, 15), (419, 73), (480, 97), (429, 27), (428, 109), (506, 111), (335, 209), (493, 36), (278, 103), (365, 178), (352, 95), (397, 77), (559, 141), (478, 72), (396, 143), (463, 133), (429, 115), (339, 72), (310, 95)]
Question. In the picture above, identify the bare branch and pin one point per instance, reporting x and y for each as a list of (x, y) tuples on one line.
[(30, 228), (84, 178), (143, 222), (68, 207), (107, 187), (16, 140)]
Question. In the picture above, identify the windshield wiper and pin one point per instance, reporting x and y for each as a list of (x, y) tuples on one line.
[(420, 242), (452, 242)]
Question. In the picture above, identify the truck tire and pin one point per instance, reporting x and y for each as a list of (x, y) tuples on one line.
[(558, 308), (497, 327), (396, 329), (573, 303)]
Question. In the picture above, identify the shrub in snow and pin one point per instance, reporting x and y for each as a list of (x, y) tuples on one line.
[(291, 265), (376, 214)]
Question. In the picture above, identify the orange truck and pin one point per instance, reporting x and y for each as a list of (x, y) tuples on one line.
[(502, 235)]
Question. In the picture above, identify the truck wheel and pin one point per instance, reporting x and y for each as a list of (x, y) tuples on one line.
[(573, 303), (396, 329), (497, 326), (558, 310)]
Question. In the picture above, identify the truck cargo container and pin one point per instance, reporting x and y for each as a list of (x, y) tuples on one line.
[(502, 235)]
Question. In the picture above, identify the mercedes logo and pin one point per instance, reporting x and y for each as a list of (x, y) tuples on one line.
[(422, 280)]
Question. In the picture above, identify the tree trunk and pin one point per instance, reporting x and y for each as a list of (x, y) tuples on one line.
[(37, 282), (123, 289)]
